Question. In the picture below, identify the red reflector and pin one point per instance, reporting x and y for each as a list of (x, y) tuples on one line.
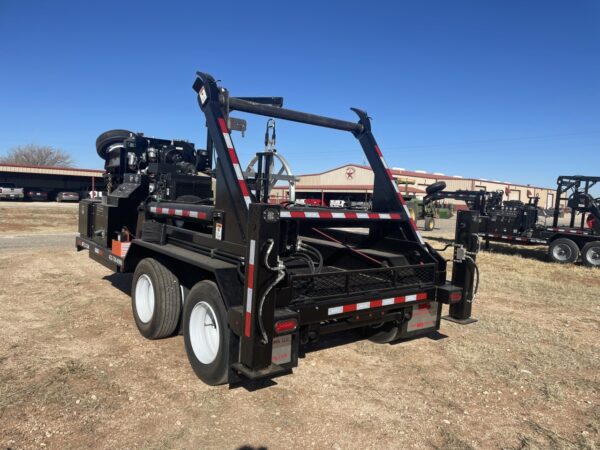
[(455, 296), (285, 325)]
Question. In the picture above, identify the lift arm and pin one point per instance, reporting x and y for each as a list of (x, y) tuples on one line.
[(212, 99), (475, 200)]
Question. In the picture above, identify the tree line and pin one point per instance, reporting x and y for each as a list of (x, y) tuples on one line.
[(37, 155)]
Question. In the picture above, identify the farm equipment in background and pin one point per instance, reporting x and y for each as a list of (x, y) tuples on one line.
[(515, 222), (246, 282), (480, 201), (428, 212)]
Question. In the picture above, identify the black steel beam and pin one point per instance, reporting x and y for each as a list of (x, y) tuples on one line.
[(239, 104), (463, 272)]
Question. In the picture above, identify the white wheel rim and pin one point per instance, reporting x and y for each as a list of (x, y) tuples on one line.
[(204, 333), (593, 256), (144, 298), (562, 252)]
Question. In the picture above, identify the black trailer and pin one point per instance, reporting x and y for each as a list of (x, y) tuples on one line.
[(481, 201), (516, 223), (246, 282)]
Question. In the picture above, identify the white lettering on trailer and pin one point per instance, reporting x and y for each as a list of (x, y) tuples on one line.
[(114, 259)]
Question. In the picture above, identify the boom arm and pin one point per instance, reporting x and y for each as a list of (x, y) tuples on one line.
[(475, 200), (232, 188)]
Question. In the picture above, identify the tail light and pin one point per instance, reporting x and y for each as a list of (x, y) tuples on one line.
[(286, 326), (455, 296)]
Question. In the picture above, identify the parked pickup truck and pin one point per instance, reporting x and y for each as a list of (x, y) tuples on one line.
[(8, 191)]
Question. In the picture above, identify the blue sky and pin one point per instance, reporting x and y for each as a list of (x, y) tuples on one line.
[(506, 90)]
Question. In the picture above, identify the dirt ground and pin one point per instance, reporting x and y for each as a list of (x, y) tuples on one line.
[(37, 217), (75, 372)]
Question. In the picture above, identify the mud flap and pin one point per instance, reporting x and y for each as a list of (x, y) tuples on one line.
[(282, 350), (425, 319)]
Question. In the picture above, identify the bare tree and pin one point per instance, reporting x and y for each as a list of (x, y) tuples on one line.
[(37, 155)]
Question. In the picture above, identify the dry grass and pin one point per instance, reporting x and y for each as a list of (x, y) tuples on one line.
[(74, 372), (30, 218)]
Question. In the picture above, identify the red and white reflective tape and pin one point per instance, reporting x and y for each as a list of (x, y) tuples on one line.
[(178, 212), (338, 215), (395, 186), (235, 161), (249, 289), (509, 238), (568, 230), (514, 238), (376, 303)]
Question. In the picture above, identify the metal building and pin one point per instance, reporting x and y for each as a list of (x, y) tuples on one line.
[(355, 181), (53, 179)]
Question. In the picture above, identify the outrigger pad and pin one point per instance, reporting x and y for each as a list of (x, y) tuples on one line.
[(271, 371), (459, 321)]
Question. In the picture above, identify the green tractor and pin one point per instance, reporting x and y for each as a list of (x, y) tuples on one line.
[(419, 210)]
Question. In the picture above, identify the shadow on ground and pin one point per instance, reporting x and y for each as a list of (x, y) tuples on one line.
[(537, 253), (121, 281)]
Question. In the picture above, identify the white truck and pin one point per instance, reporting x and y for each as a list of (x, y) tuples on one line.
[(8, 191)]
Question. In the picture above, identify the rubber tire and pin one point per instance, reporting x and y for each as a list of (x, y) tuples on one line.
[(568, 242), (388, 332), (167, 300), (586, 248), (109, 138), (435, 187), (429, 224), (217, 372)]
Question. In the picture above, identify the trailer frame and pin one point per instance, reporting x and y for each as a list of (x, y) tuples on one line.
[(387, 276)]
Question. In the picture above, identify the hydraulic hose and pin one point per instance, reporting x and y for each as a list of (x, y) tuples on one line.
[(303, 257), (476, 274), (280, 269), (313, 252)]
